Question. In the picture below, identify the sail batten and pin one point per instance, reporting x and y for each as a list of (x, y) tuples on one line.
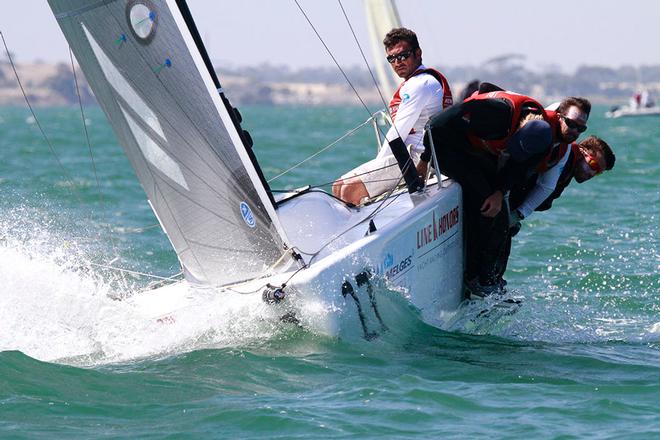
[(206, 190)]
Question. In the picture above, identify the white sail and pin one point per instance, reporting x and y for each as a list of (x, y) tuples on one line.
[(151, 76), (382, 16)]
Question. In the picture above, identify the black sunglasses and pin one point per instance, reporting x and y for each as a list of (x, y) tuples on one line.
[(574, 125), (400, 56)]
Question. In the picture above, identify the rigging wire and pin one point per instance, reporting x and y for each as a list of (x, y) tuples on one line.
[(357, 94), (67, 176), (388, 199), (364, 58), (333, 58), (84, 123), (409, 162), (330, 145), (373, 78), (134, 272), (320, 185), (91, 154)]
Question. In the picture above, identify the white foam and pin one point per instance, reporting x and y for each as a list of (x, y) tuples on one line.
[(55, 307)]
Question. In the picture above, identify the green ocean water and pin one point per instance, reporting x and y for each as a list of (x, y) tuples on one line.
[(581, 359)]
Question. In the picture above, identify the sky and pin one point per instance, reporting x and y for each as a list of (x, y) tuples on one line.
[(559, 34)]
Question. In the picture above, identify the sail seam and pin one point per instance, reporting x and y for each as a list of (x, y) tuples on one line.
[(160, 135), (201, 133), (83, 9)]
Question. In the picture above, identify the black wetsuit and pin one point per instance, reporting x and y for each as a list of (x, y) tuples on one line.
[(478, 173), (519, 193)]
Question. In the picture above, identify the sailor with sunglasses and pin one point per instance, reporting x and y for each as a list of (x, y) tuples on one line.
[(423, 93), (580, 161), (583, 161), (488, 143), (569, 120)]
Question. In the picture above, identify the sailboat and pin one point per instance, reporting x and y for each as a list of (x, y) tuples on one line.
[(640, 104), (298, 251), (632, 110)]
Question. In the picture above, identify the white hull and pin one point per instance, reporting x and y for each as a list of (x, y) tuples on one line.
[(628, 112), (416, 252)]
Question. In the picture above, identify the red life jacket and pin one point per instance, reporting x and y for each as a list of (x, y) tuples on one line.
[(559, 148), (518, 102), (552, 118), (447, 99)]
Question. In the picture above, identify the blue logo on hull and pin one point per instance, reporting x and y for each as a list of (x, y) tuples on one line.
[(246, 212)]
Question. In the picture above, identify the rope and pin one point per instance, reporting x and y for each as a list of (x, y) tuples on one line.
[(91, 154)]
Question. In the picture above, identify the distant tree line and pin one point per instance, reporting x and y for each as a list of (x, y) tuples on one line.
[(507, 71)]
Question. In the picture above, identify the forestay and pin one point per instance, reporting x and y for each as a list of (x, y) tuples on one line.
[(203, 183)]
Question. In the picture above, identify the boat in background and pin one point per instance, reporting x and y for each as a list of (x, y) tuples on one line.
[(312, 258), (627, 111), (641, 104)]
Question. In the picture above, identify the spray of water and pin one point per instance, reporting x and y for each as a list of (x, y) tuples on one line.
[(56, 306)]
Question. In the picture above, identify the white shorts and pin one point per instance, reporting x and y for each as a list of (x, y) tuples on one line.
[(379, 175)]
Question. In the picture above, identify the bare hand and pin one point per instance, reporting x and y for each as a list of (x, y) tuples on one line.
[(422, 169), (492, 205)]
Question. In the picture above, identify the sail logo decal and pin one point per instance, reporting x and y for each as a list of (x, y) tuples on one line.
[(247, 215), (143, 20)]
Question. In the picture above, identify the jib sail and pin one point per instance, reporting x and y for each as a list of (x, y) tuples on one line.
[(150, 74)]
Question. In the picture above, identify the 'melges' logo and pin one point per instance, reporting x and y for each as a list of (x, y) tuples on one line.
[(391, 270), (437, 228), (399, 268)]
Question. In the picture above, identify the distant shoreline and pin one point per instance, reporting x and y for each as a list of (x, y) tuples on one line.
[(53, 85)]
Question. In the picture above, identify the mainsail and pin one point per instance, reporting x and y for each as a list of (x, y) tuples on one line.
[(151, 76), (382, 16)]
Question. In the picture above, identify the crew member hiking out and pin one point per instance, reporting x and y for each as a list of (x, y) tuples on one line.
[(488, 144)]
